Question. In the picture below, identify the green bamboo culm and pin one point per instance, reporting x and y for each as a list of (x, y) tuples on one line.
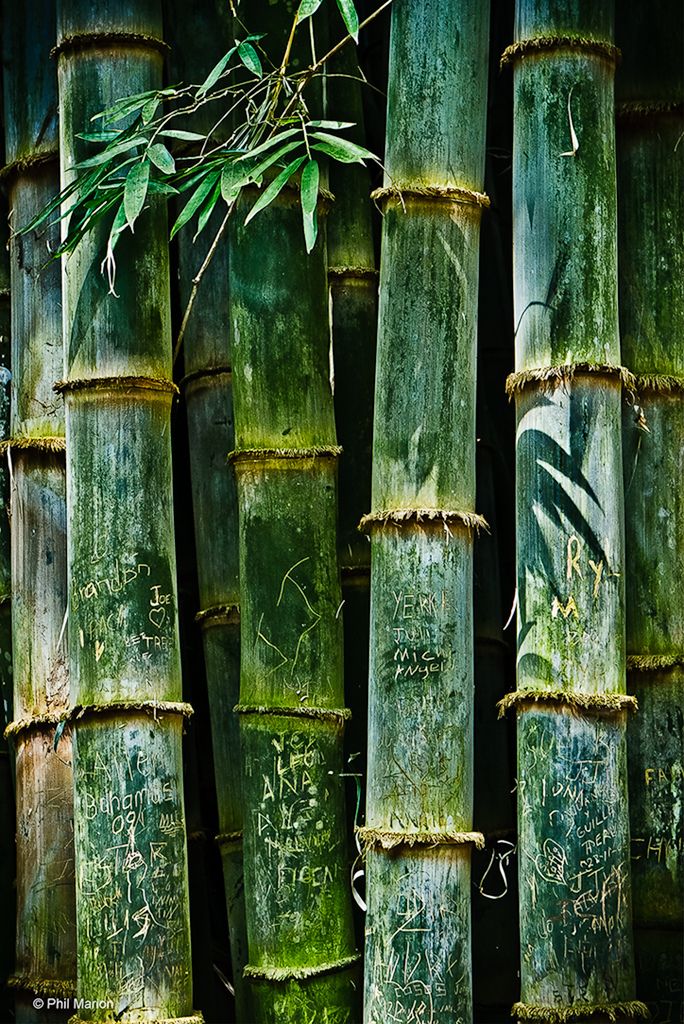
[(573, 828), (418, 832), (7, 844), (208, 392), (46, 933), (299, 926), (131, 878), (353, 280), (650, 122)]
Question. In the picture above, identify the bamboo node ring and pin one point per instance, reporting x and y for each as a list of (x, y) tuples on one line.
[(339, 715), (43, 986), (398, 516), (218, 613), (96, 40), (50, 445), (539, 44), (299, 973), (446, 193), (549, 378), (128, 383), (653, 662), (148, 707), (390, 839), (602, 703), (38, 723), (328, 451), (27, 162), (228, 838), (206, 371), (632, 1009)]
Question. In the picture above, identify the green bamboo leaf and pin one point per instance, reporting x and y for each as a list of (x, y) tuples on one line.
[(161, 158), (162, 188), (276, 186), (270, 142), (195, 201), (257, 172), (208, 209), (110, 152), (250, 58), (135, 191), (176, 133), (232, 180), (333, 125), (341, 149), (108, 135), (309, 186), (307, 8), (125, 106), (350, 18), (216, 72), (149, 110)]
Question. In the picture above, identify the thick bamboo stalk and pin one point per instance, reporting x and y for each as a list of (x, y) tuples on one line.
[(418, 830), (299, 925), (131, 877), (45, 952), (575, 902), (7, 811), (651, 225), (208, 392)]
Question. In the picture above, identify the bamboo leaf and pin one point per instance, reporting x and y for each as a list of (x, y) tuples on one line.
[(307, 8), (341, 149), (108, 135), (135, 191), (270, 142), (208, 209), (125, 106), (216, 72), (232, 180), (176, 133), (332, 125), (110, 152), (161, 158), (309, 198), (276, 186), (350, 18), (195, 201), (250, 58), (256, 173), (149, 110)]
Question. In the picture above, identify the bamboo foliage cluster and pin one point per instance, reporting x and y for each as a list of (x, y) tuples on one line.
[(329, 342)]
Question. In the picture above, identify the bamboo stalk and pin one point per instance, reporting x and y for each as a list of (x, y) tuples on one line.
[(131, 879), (208, 392), (45, 950), (419, 809), (575, 902), (651, 222), (299, 925)]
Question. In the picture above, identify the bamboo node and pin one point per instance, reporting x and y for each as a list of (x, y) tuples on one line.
[(38, 723), (539, 44), (338, 715), (132, 383), (632, 1009), (299, 973), (205, 371), (445, 193), (218, 613), (148, 707), (390, 839), (49, 445), (200, 835), (653, 662), (323, 451), (196, 1018), (549, 378), (660, 383), (358, 273), (637, 110), (228, 838), (398, 516), (43, 986), (95, 40), (602, 703), (26, 163)]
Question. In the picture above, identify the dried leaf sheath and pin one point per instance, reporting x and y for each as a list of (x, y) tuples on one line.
[(650, 105), (575, 910), (45, 951), (300, 937), (423, 521), (132, 903)]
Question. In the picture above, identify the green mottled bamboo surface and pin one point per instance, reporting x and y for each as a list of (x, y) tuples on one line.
[(649, 85), (45, 945), (132, 888), (299, 925), (574, 876), (420, 777), (197, 46)]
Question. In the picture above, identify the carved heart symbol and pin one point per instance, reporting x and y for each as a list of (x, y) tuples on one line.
[(157, 617)]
